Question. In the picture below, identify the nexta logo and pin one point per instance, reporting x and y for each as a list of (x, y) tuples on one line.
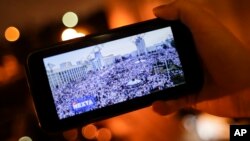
[(84, 104)]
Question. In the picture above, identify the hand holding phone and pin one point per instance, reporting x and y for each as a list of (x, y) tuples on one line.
[(101, 76)]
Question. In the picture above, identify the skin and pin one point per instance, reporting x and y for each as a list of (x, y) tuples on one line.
[(226, 61)]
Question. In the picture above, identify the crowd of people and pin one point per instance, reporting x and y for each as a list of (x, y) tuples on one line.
[(127, 78)]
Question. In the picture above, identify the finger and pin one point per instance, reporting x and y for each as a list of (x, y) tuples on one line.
[(167, 11), (168, 107), (162, 108), (189, 12)]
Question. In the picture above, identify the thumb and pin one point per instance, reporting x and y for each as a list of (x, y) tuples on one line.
[(189, 12), (170, 106), (216, 45)]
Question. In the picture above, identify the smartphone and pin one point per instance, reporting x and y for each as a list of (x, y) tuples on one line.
[(100, 76)]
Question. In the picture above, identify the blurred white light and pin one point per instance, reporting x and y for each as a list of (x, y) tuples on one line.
[(70, 19), (211, 127), (71, 34), (25, 138), (189, 122)]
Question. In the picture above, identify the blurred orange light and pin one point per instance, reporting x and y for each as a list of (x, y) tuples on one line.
[(123, 19), (9, 70), (89, 131), (12, 34), (119, 127), (104, 134)]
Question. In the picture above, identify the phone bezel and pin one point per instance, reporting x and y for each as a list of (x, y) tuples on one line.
[(41, 92)]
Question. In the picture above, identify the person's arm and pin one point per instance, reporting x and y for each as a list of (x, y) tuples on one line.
[(225, 59)]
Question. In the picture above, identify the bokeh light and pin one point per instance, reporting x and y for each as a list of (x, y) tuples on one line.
[(211, 127), (70, 19), (25, 138), (89, 131), (119, 127), (104, 134), (10, 70), (71, 33), (12, 34), (189, 122)]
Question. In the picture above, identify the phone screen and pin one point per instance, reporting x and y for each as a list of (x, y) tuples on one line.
[(105, 74)]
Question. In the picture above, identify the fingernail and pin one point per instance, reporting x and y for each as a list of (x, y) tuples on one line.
[(159, 8)]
